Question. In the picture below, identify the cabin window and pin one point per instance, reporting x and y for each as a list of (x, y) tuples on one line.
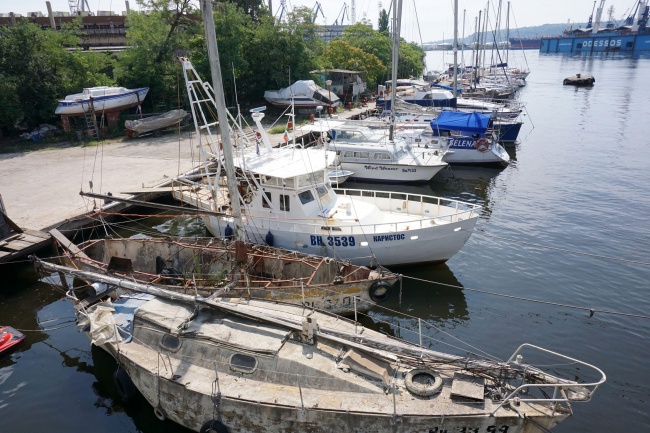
[(305, 197), (243, 363), (348, 154), (321, 191), (266, 199), (170, 342), (382, 156), (284, 202), (365, 155)]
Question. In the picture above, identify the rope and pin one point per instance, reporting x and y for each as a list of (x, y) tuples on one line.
[(539, 301)]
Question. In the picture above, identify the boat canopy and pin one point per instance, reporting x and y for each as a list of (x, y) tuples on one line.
[(458, 121)]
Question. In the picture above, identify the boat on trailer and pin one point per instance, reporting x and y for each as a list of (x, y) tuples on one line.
[(102, 99)]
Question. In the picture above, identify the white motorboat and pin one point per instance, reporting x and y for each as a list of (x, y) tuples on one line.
[(103, 99), (372, 156), (303, 94), (288, 198)]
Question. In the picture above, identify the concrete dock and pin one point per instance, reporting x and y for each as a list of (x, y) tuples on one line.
[(40, 189)]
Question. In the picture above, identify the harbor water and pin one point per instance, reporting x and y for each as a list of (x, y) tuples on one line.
[(564, 230)]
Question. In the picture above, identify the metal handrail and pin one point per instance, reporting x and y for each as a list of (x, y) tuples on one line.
[(561, 385)]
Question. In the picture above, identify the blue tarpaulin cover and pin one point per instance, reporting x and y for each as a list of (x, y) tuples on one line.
[(459, 121)]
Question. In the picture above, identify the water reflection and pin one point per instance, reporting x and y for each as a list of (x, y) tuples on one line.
[(431, 293)]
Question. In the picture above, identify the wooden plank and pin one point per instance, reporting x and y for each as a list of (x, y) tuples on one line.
[(17, 245), (67, 244), (38, 234)]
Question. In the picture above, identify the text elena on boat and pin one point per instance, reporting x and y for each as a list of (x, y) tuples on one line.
[(219, 267), (254, 366)]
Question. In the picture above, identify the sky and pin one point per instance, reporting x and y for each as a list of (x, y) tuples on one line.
[(422, 20)]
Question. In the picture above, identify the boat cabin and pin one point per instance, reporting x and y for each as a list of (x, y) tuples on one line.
[(293, 186)]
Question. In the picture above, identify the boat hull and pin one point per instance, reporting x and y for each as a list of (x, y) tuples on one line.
[(206, 266), (607, 42), (102, 104), (391, 173), (192, 408)]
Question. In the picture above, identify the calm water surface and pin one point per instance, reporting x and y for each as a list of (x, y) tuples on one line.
[(566, 223)]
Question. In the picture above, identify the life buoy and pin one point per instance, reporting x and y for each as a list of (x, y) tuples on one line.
[(213, 426), (124, 385), (428, 382), (380, 291), (482, 144)]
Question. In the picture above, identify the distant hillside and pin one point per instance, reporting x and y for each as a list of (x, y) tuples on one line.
[(523, 32)]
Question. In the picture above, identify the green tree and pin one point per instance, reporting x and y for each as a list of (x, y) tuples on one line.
[(37, 70), (156, 39), (340, 54), (362, 36), (382, 24)]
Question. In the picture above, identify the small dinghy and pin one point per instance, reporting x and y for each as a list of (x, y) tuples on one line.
[(9, 337), (579, 80)]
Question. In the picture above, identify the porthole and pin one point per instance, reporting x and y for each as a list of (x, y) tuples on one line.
[(170, 342), (243, 363)]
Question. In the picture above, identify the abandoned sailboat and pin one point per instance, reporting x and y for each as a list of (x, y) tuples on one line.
[(255, 366)]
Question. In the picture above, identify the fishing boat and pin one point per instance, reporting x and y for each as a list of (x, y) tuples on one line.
[(103, 99), (9, 338), (254, 366), (303, 94), (287, 198), (218, 267), (633, 36), (154, 124)]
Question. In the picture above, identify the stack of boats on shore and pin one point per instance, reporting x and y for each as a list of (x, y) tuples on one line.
[(237, 333)]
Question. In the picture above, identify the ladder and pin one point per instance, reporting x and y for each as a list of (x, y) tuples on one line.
[(91, 119)]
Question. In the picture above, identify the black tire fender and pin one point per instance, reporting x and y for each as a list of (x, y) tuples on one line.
[(124, 385), (431, 385), (160, 413), (380, 290), (213, 426)]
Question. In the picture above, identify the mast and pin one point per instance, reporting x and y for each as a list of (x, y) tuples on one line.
[(222, 115), (397, 17), (478, 44), (508, 32), (455, 46)]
